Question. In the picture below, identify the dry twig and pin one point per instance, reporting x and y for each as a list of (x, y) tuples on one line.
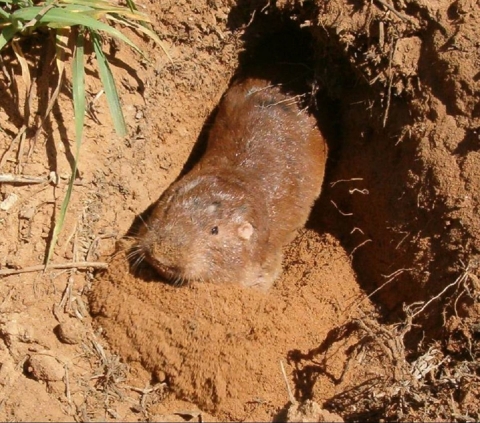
[(23, 179), (289, 390), (395, 11), (39, 267)]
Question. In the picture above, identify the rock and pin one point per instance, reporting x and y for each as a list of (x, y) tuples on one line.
[(45, 367), (310, 411), (71, 331)]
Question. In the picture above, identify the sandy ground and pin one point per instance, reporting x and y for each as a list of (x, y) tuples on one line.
[(377, 312)]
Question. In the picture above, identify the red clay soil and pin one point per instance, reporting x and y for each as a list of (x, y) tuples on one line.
[(376, 314)]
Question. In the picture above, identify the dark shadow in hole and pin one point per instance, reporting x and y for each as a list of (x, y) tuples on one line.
[(276, 47)]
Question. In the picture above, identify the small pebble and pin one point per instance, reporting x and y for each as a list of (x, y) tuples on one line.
[(8, 203), (71, 331)]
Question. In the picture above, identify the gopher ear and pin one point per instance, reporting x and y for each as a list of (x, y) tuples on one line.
[(245, 230)]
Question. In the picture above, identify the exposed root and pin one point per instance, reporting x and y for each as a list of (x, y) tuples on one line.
[(416, 383)]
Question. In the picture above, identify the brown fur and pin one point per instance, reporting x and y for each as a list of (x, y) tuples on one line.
[(228, 219)]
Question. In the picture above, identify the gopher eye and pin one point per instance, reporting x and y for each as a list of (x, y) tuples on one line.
[(214, 230)]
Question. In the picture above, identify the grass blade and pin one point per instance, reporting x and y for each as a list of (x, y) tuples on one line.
[(61, 17), (7, 34), (27, 79), (143, 28), (61, 46), (78, 88), (109, 86), (99, 8), (4, 15), (97, 4), (131, 5), (78, 84)]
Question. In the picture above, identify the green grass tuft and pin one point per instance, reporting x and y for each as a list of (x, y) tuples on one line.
[(84, 21)]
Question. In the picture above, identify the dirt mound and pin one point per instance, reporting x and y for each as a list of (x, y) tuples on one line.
[(220, 345)]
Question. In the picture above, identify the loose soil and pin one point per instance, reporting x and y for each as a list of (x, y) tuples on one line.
[(377, 313)]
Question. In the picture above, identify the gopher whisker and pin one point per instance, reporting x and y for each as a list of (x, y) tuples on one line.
[(144, 222), (133, 252), (138, 261)]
